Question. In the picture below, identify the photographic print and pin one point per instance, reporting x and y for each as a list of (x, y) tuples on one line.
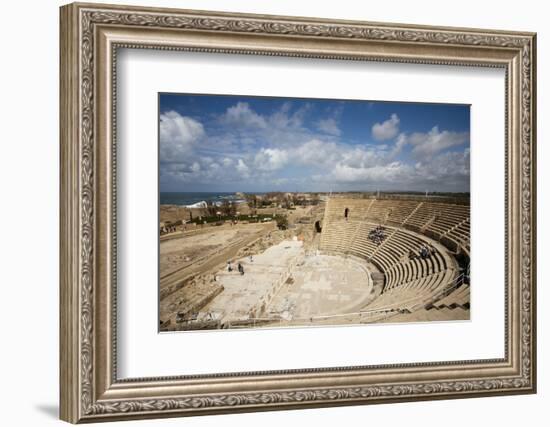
[(292, 212), (292, 182)]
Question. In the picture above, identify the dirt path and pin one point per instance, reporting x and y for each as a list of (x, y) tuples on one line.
[(168, 284), (177, 254)]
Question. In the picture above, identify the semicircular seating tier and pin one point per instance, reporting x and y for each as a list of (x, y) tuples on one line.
[(409, 282)]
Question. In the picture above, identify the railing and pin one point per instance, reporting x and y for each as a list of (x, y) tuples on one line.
[(448, 289), (300, 321), (369, 313), (280, 320), (455, 283)]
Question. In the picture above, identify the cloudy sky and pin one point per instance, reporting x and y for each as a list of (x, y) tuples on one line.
[(238, 143)]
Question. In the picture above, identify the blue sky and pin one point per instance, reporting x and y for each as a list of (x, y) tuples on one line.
[(253, 144)]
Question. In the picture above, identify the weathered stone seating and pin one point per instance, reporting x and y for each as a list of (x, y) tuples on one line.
[(411, 282)]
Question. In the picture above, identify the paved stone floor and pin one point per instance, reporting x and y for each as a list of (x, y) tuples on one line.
[(324, 285), (295, 286), (243, 293)]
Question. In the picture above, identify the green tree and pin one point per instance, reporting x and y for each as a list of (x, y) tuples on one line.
[(282, 222), (211, 209), (251, 200), (286, 203), (228, 209)]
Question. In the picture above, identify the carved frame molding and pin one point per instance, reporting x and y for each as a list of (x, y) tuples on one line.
[(90, 37)]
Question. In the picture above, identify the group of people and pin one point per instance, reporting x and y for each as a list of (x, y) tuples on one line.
[(167, 228), (240, 267), (377, 235), (425, 252)]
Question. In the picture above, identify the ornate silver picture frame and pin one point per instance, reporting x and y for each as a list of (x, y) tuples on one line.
[(91, 35)]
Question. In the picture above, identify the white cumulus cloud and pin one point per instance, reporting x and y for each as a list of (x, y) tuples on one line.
[(388, 173), (316, 152), (329, 126), (241, 115), (426, 145), (243, 169), (399, 144), (178, 135), (271, 159), (387, 129)]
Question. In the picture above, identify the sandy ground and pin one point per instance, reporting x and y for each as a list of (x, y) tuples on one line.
[(188, 263), (177, 253)]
